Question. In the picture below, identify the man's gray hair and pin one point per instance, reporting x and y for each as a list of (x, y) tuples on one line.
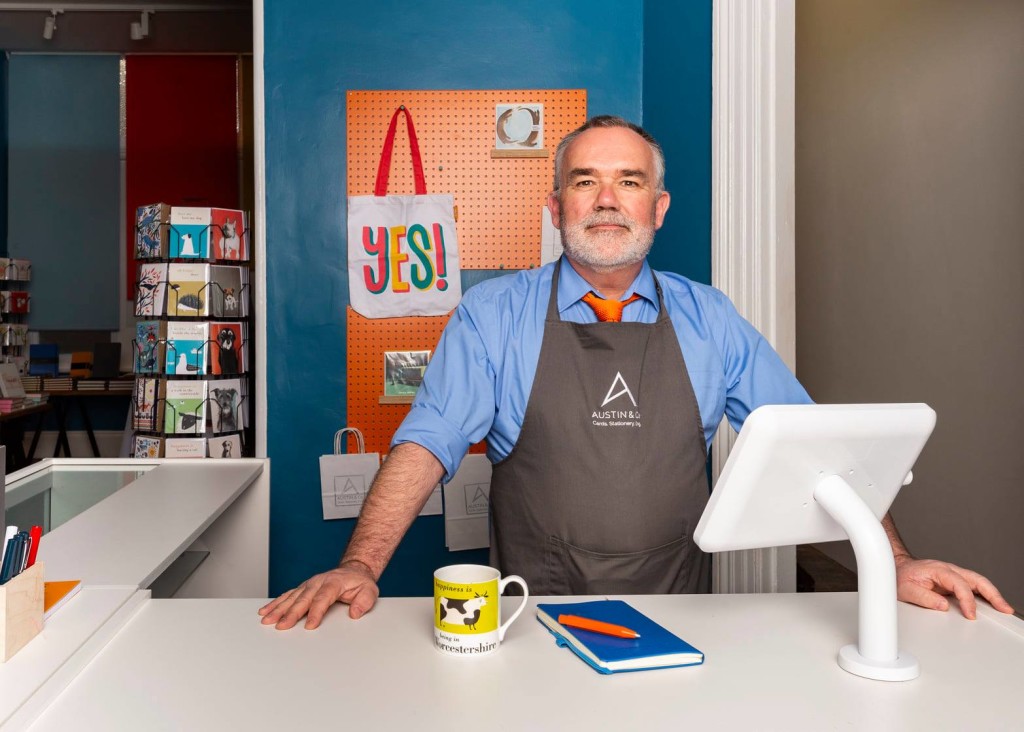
[(608, 120)]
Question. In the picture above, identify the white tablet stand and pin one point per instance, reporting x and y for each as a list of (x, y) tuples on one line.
[(811, 473)]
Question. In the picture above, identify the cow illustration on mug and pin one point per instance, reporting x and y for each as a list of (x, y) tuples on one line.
[(461, 612)]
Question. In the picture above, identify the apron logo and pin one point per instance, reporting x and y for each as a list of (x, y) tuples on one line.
[(618, 381), (617, 417)]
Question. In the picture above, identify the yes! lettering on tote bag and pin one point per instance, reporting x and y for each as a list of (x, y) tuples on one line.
[(403, 252)]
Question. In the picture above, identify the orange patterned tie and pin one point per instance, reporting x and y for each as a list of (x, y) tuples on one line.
[(608, 311)]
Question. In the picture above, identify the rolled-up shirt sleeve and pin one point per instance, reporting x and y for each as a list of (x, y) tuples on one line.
[(455, 405)]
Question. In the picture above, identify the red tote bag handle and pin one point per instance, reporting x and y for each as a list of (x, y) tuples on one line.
[(384, 168)]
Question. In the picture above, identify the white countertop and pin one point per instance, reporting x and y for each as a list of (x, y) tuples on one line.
[(84, 622), (771, 664)]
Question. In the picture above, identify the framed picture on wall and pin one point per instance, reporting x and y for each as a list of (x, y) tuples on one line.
[(403, 372), (519, 126)]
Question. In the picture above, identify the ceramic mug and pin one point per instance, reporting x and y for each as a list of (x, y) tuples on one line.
[(467, 609)]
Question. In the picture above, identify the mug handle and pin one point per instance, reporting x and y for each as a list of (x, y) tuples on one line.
[(526, 596)]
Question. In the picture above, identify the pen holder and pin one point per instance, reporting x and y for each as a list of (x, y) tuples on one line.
[(21, 610)]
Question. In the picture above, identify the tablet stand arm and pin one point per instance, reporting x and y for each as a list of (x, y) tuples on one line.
[(875, 655)]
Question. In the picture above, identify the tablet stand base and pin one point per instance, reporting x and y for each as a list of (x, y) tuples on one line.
[(904, 668)]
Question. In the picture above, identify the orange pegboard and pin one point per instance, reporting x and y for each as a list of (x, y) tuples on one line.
[(367, 341), (499, 200)]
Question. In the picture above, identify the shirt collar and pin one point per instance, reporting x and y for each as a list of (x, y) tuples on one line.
[(572, 287)]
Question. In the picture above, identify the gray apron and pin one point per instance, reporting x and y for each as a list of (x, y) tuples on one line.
[(607, 481)]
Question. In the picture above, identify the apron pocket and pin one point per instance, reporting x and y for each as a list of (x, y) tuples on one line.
[(665, 569)]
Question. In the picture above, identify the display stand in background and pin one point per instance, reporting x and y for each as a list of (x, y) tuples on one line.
[(192, 352), (15, 304)]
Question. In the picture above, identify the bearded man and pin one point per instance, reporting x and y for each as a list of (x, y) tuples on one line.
[(598, 385)]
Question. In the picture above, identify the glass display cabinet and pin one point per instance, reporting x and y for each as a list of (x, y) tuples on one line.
[(181, 528)]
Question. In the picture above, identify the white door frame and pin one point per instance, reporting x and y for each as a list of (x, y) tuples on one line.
[(752, 219), (260, 224)]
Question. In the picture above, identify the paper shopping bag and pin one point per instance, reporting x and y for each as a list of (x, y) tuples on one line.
[(345, 479), (403, 251)]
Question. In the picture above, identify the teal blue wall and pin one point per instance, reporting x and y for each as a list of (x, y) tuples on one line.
[(677, 111), (311, 59), (64, 139), (3, 154)]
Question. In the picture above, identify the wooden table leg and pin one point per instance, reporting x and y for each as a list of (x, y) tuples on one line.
[(62, 425), (35, 438), (88, 427)]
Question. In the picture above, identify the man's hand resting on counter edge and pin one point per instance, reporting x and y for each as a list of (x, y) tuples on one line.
[(925, 582), (351, 583)]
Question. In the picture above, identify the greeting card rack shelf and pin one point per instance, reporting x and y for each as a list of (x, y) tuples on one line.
[(193, 391), (15, 303)]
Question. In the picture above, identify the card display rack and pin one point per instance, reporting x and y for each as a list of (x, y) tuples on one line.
[(15, 304), (192, 350)]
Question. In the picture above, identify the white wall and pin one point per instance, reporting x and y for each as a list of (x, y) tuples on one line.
[(110, 442), (910, 250)]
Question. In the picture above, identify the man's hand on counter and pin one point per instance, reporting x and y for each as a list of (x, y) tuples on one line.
[(926, 582), (352, 583)]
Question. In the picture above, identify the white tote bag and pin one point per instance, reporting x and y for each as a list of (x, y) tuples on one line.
[(403, 251), (345, 479)]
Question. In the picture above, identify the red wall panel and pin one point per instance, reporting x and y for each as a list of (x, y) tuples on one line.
[(181, 117)]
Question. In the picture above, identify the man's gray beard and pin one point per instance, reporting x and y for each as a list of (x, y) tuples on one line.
[(586, 247)]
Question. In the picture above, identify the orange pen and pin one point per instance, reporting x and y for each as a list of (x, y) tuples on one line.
[(597, 626)]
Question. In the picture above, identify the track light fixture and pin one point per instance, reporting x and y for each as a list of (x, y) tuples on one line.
[(140, 30), (50, 24)]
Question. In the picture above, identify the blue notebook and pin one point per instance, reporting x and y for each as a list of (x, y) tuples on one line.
[(655, 648)]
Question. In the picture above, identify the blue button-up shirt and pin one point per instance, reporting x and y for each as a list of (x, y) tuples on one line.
[(479, 379)]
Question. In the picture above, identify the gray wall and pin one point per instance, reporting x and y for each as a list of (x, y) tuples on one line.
[(910, 250)]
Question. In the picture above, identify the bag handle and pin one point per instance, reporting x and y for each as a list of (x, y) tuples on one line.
[(340, 435), (384, 167)]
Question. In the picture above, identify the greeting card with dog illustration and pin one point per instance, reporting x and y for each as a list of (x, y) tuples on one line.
[(226, 351), (190, 233), (225, 446), (225, 398), (188, 289), (229, 234), (226, 295), (186, 349), (185, 407)]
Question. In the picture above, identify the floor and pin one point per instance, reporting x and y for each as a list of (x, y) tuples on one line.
[(816, 572)]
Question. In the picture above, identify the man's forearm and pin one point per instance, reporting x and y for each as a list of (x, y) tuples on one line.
[(899, 549), (402, 486)]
